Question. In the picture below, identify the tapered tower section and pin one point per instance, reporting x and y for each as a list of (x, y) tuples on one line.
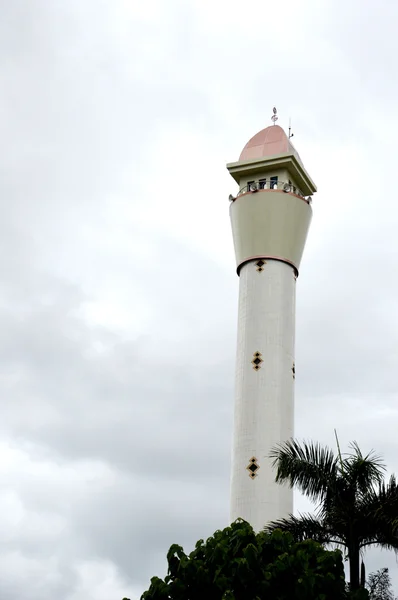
[(270, 219)]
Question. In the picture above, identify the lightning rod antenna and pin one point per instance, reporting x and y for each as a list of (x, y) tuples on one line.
[(290, 129)]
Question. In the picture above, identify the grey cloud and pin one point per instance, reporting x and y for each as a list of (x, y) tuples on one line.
[(125, 431)]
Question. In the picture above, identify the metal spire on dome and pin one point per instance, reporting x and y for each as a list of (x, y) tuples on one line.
[(274, 117)]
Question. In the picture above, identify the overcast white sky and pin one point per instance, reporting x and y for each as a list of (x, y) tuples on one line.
[(118, 294)]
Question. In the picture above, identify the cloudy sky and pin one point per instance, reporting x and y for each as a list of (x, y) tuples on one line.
[(118, 295)]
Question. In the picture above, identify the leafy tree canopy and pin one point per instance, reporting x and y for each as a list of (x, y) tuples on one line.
[(237, 564)]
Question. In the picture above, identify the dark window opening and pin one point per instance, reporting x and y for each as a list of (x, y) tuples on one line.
[(249, 184), (262, 184), (273, 182)]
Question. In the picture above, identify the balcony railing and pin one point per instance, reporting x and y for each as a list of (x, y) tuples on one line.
[(261, 185)]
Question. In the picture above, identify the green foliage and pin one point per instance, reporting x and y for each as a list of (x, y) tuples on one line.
[(379, 585), (237, 564), (358, 594), (355, 507)]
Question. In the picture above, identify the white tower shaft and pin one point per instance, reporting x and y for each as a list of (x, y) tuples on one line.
[(264, 402)]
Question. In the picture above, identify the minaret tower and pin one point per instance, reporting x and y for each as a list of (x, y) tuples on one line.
[(270, 219)]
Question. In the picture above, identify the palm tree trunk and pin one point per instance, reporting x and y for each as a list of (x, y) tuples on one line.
[(353, 556)]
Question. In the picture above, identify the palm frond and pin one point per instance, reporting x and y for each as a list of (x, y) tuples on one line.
[(376, 516), (382, 505), (378, 532), (305, 527), (387, 496), (308, 466), (363, 472)]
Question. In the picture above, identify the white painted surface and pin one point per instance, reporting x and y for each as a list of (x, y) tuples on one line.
[(264, 401)]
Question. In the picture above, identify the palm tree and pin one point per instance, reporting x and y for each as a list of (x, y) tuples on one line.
[(355, 507)]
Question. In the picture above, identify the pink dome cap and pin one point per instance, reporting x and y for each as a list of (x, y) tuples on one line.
[(270, 141)]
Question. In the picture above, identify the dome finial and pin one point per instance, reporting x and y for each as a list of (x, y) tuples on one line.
[(274, 117)]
